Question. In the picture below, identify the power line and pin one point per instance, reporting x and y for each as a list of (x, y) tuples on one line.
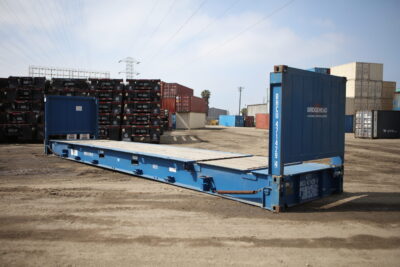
[(222, 44), (223, 13), (18, 37), (44, 13), (179, 29), (145, 22), (219, 15), (66, 28), (161, 21)]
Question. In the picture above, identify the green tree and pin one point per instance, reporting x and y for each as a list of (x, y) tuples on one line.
[(244, 111), (205, 94)]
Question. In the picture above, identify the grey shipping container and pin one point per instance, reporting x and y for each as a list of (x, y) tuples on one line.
[(213, 113), (377, 124)]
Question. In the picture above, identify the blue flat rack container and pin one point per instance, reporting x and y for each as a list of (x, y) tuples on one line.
[(349, 122), (231, 121), (307, 123)]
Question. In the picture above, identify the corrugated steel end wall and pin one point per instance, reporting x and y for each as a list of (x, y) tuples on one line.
[(312, 110)]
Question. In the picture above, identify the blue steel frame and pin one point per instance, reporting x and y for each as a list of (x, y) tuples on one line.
[(284, 184)]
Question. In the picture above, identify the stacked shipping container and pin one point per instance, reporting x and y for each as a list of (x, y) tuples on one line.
[(365, 88), (21, 109), (177, 98), (191, 104)]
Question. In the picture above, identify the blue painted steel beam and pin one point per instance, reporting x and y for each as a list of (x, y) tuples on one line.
[(300, 183)]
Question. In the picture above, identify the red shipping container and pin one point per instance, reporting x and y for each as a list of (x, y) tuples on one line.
[(169, 104), (262, 121), (191, 104), (249, 121), (169, 90)]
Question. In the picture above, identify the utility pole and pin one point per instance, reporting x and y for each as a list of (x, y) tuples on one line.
[(240, 97), (129, 67)]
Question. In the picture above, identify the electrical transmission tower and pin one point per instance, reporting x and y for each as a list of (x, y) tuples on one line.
[(129, 67)]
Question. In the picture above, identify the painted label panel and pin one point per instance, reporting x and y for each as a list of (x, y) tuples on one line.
[(309, 188), (276, 165)]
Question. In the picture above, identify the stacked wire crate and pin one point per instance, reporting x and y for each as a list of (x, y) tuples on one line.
[(21, 109), (109, 93), (141, 120)]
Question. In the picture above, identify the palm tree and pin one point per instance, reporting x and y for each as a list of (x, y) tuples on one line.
[(205, 94)]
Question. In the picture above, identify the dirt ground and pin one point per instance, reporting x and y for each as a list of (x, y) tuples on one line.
[(58, 212)]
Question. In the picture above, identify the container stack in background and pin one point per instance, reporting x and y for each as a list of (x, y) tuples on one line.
[(190, 111), (365, 88), (109, 93), (213, 115), (21, 109), (141, 119), (231, 120), (169, 93)]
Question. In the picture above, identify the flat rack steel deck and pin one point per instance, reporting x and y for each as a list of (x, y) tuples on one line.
[(307, 123)]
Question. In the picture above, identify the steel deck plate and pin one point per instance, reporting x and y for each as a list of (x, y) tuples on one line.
[(242, 164), (163, 151)]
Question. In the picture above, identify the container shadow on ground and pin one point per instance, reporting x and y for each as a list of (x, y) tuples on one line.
[(355, 202)]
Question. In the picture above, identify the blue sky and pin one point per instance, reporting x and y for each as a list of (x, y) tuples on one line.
[(204, 44)]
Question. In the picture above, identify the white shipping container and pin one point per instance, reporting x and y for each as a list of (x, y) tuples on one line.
[(252, 110), (374, 89), (388, 89), (190, 120), (350, 106), (353, 88), (359, 71), (376, 71), (365, 70), (371, 103), (360, 103), (364, 88), (378, 86), (350, 71)]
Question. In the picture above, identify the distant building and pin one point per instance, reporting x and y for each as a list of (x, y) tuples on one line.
[(213, 113), (252, 110)]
